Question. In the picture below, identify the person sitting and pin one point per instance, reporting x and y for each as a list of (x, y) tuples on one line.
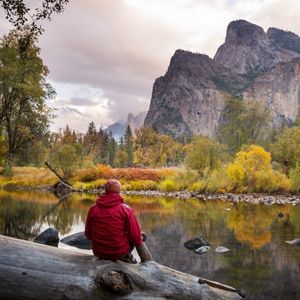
[(113, 228)]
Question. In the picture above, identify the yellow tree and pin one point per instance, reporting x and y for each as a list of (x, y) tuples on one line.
[(252, 170)]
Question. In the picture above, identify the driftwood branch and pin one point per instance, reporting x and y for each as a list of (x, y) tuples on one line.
[(34, 271), (58, 176)]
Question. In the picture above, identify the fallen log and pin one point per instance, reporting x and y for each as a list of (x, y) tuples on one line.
[(35, 271), (58, 176)]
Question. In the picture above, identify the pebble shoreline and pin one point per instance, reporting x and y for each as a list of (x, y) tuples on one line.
[(235, 198), (231, 197), (267, 199)]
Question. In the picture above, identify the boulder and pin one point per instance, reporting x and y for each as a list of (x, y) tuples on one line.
[(294, 242), (78, 240), (199, 245), (222, 249), (48, 237)]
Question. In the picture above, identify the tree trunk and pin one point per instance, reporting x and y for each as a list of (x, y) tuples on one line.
[(8, 165), (59, 177), (34, 271)]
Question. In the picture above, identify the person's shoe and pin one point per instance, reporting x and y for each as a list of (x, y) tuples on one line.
[(144, 237), (129, 259)]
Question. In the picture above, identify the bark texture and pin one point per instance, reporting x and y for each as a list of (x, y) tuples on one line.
[(35, 271)]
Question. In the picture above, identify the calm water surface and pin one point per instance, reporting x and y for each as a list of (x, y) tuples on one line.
[(259, 262)]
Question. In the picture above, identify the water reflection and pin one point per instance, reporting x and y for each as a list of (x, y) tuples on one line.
[(259, 261)]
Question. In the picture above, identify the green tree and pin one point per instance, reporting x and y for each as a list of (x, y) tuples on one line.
[(286, 149), (164, 151), (153, 149), (204, 154), (244, 123), (66, 159), (144, 142), (295, 177), (24, 114), (68, 136), (129, 146), (111, 149), (120, 158), (33, 153), (90, 141), (3, 148)]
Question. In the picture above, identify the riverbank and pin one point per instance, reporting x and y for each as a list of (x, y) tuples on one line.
[(234, 198), (171, 182), (253, 198)]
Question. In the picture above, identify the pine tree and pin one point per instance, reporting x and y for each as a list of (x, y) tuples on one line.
[(129, 146)]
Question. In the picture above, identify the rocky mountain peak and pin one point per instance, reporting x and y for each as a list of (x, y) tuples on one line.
[(284, 39), (185, 62), (244, 32), (248, 49), (250, 65)]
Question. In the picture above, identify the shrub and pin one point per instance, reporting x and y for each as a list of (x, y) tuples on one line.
[(247, 165), (184, 179), (136, 174), (94, 173), (218, 182), (87, 175), (295, 178), (198, 186), (141, 185), (104, 171), (271, 181), (167, 185), (236, 176)]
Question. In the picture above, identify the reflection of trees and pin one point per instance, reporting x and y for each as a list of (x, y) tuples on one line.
[(207, 218), (65, 215), (263, 272), (17, 219), (273, 270), (24, 219), (251, 223), (153, 213)]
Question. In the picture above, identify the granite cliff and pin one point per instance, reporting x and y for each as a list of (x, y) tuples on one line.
[(251, 65)]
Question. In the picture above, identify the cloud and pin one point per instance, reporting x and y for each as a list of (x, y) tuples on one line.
[(80, 101), (104, 55)]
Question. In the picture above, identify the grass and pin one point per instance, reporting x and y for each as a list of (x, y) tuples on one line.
[(138, 179), (28, 176)]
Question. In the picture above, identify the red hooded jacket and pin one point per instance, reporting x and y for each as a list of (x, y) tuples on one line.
[(112, 225)]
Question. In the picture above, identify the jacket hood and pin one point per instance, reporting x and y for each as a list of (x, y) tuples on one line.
[(109, 200)]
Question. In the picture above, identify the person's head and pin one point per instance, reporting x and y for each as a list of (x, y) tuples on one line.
[(112, 186)]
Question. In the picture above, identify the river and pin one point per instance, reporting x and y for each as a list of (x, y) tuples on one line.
[(259, 262)]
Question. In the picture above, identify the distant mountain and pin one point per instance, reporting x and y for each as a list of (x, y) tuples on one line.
[(117, 129), (250, 65), (135, 122)]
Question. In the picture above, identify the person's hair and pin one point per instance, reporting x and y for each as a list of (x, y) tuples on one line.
[(112, 186)]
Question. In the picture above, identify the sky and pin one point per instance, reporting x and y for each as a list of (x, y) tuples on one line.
[(104, 55)]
